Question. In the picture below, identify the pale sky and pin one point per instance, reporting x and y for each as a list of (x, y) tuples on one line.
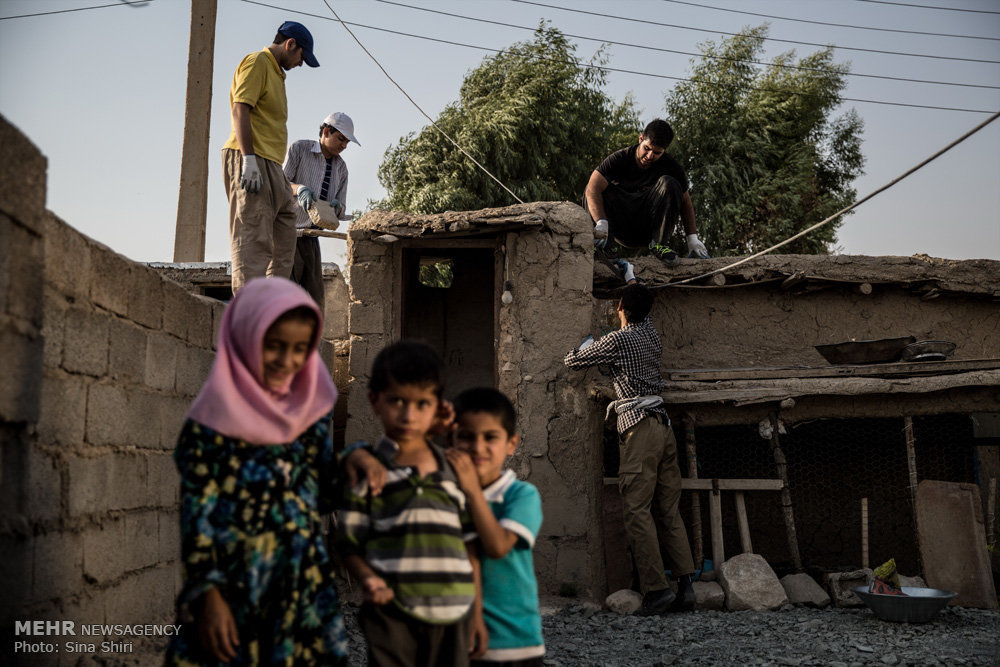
[(102, 93)]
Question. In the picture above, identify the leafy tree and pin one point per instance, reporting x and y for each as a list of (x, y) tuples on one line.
[(764, 157), (533, 115)]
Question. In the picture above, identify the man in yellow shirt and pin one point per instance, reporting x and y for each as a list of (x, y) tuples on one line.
[(261, 205)]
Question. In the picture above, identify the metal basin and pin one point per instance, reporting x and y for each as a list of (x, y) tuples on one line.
[(865, 351), (919, 605)]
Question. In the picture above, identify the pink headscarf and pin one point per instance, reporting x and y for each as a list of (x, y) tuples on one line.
[(233, 400)]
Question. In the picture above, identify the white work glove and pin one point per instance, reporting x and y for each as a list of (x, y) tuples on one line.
[(250, 177), (696, 248), (306, 197), (587, 342), (628, 271), (601, 233)]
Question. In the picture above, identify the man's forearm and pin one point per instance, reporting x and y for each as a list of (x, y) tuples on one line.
[(241, 125), (687, 215)]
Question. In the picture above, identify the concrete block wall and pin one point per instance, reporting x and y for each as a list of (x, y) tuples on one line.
[(103, 357)]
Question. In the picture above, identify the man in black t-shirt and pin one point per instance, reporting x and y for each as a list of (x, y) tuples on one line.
[(636, 196)]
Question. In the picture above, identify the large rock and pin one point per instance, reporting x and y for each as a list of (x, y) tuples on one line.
[(623, 602), (708, 595), (803, 589), (751, 584), (912, 582), (839, 584)]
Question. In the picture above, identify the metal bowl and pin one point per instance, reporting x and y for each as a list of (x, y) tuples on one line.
[(919, 605), (865, 351), (928, 350)]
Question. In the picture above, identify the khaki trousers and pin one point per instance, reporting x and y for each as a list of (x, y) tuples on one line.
[(261, 225), (649, 480)]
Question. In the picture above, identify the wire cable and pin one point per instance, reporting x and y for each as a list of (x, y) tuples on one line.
[(770, 39), (418, 107), (687, 53), (604, 67), (946, 9), (120, 3), (836, 25), (842, 211)]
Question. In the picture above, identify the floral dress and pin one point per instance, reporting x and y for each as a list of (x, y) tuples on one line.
[(250, 526)]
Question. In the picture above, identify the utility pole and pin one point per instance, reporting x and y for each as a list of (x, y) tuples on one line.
[(192, 200)]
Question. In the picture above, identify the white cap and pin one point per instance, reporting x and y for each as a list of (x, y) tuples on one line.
[(342, 122)]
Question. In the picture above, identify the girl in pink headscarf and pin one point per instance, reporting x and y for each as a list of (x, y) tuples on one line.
[(257, 471)]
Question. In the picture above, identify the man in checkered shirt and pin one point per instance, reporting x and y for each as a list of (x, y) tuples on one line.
[(649, 478)]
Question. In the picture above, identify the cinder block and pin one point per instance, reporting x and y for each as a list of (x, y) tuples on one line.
[(142, 547), (366, 318), (218, 310), (85, 342), (161, 361), (23, 250), (143, 421), (110, 276), (199, 320), (57, 566), (193, 365), (67, 259), (370, 282), (44, 486), (107, 407), (176, 302), (147, 595), (105, 550), (173, 411), (163, 480), (89, 484), (20, 382), (575, 271), (127, 354), (22, 177), (145, 297), (169, 535), (63, 418), (53, 325)]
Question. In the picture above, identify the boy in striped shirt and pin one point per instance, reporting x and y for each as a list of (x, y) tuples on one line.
[(407, 545), (508, 515)]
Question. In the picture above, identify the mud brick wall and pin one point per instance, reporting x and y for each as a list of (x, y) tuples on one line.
[(102, 358)]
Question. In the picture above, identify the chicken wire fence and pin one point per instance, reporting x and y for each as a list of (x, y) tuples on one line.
[(832, 465)]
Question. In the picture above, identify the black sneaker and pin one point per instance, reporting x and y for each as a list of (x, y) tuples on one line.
[(684, 600), (664, 254), (655, 603)]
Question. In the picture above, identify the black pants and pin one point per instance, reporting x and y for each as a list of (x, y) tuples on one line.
[(308, 269), (396, 639), (640, 218)]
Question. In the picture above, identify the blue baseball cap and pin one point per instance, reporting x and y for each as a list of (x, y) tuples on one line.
[(303, 38)]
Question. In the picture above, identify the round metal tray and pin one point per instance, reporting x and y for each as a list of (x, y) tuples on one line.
[(919, 605)]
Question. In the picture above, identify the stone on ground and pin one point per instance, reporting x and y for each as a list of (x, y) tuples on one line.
[(912, 582), (803, 589), (751, 584), (708, 595), (839, 584), (623, 602)]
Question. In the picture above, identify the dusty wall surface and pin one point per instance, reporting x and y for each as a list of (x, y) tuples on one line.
[(551, 267), (103, 357)]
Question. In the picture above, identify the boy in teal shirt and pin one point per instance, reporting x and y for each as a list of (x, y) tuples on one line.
[(507, 513)]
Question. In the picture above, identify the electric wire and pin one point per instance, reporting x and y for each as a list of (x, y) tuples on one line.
[(688, 53), (945, 9), (418, 107), (842, 211), (120, 3), (605, 67), (836, 25), (770, 39)]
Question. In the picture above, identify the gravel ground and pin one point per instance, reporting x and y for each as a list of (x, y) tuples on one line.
[(583, 634)]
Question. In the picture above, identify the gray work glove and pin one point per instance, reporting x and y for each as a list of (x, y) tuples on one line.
[(601, 233), (587, 342), (696, 248), (306, 197), (250, 177), (628, 271)]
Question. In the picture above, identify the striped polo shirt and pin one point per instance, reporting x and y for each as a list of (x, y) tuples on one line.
[(305, 165), (413, 535)]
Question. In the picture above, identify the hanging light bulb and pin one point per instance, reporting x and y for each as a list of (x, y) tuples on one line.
[(507, 298)]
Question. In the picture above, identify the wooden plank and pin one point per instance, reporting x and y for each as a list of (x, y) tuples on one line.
[(864, 533), (322, 233), (688, 484), (715, 515), (741, 518), (857, 370), (781, 464), (697, 546)]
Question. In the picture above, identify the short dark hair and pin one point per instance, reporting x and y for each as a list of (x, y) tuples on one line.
[(490, 401), (636, 301), (659, 133), (407, 362), (281, 38)]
